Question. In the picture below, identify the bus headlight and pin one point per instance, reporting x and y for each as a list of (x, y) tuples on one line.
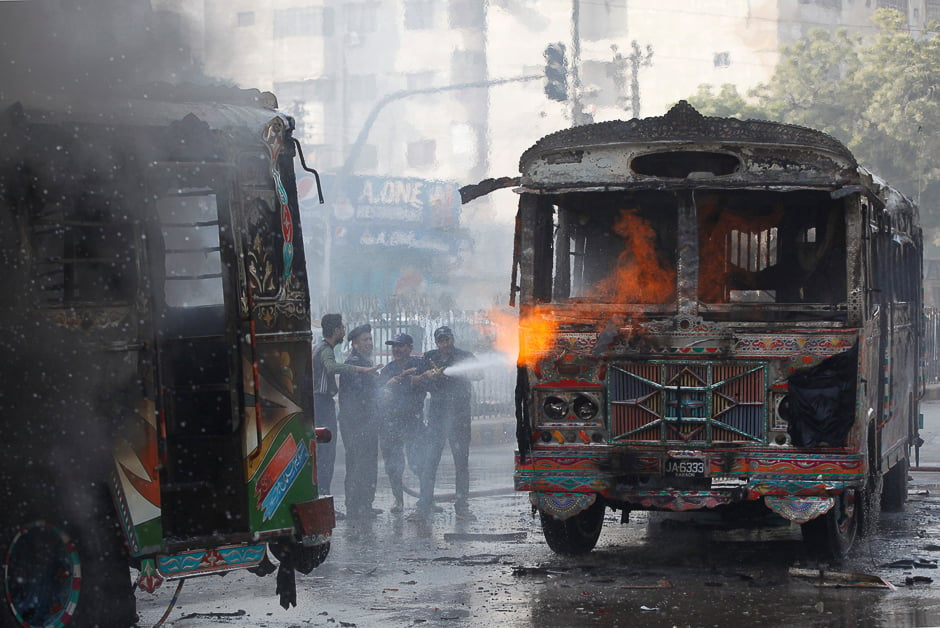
[(585, 408), (555, 408)]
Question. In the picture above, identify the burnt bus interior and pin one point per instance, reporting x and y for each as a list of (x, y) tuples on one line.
[(202, 481), (745, 254), (160, 258)]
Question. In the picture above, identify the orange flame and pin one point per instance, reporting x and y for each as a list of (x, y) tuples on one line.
[(527, 337), (640, 275)]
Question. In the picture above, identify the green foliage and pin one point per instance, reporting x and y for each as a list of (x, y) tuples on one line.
[(879, 96), (728, 103)]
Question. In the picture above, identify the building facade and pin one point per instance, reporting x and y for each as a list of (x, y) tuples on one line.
[(452, 90)]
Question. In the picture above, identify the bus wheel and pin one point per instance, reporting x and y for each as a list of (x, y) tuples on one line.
[(894, 492), (830, 536), (577, 535), (53, 577)]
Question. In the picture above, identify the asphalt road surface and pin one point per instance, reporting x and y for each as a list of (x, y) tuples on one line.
[(656, 570)]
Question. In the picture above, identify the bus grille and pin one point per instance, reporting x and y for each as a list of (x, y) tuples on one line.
[(688, 402)]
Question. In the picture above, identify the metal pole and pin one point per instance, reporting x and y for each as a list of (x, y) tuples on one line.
[(577, 114)]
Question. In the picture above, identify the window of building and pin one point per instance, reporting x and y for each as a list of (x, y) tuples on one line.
[(932, 10), (361, 17), (245, 18), (361, 87), (466, 13), (899, 5), (603, 20), (421, 153), (722, 59), (303, 22), (464, 142), (419, 14)]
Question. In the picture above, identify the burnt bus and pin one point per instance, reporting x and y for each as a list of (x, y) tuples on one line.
[(714, 314), (156, 394)]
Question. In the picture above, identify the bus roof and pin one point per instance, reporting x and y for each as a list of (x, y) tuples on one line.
[(222, 108), (682, 145)]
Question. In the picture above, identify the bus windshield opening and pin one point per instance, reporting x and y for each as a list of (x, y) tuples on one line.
[(761, 247), (616, 248)]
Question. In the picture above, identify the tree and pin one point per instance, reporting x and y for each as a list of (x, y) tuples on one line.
[(727, 103), (878, 96)]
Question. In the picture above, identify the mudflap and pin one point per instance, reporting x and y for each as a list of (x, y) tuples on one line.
[(315, 520), (562, 506), (799, 509), (286, 582)]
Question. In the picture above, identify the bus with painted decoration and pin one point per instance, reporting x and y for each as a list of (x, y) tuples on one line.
[(713, 314), (156, 392)]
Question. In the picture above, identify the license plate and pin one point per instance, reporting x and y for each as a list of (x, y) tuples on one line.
[(684, 467)]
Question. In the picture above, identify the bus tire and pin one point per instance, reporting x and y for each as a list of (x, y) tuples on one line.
[(894, 492), (829, 537), (576, 535), (61, 574)]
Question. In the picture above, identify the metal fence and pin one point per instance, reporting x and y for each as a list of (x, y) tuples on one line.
[(474, 331)]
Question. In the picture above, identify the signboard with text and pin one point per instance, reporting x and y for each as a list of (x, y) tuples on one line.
[(368, 201)]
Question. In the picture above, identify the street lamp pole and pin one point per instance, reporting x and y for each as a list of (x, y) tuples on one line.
[(356, 149), (360, 141)]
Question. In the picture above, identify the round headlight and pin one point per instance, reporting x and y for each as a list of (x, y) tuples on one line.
[(585, 408), (555, 408)]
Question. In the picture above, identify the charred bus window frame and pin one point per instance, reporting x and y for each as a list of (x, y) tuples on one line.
[(82, 260), (769, 269), (580, 222)]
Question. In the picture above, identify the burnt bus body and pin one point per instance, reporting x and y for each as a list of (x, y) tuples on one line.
[(156, 394), (713, 313)]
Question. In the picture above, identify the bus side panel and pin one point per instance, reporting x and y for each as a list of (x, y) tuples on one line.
[(136, 481), (279, 426), (901, 386), (280, 470)]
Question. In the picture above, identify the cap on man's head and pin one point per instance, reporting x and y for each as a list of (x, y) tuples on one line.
[(443, 332), (358, 331), (401, 339)]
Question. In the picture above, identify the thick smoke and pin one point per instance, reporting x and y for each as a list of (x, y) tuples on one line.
[(57, 49), (59, 401)]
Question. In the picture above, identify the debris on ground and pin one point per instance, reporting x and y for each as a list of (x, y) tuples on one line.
[(481, 536), (524, 570), (838, 579), (662, 583), (911, 563), (912, 580)]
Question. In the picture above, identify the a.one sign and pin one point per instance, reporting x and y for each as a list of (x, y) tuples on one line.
[(367, 200)]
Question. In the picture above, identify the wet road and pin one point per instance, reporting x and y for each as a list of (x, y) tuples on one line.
[(656, 570)]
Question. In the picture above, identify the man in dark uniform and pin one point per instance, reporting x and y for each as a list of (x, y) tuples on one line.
[(325, 370), (402, 403), (448, 380), (359, 425)]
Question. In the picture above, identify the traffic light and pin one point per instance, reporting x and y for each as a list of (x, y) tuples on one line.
[(556, 72)]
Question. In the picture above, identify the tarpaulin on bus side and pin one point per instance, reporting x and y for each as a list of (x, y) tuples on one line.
[(820, 404)]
